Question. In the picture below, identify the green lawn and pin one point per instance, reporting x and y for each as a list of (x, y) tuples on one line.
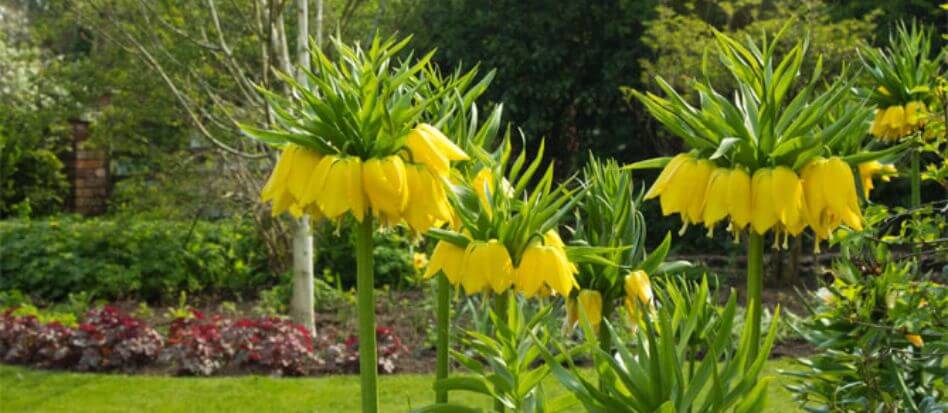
[(26, 390)]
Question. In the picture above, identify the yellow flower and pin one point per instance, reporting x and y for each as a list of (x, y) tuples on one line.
[(428, 205), (915, 114), (486, 264), (716, 200), (590, 301), (448, 259), (386, 185), (697, 189), (674, 196), (341, 189), (288, 182), (665, 176), (428, 146), (545, 265), (483, 184), (552, 237), (764, 211), (419, 261), (739, 200), (638, 293), (897, 121), (788, 199), (915, 339), (871, 169), (830, 197)]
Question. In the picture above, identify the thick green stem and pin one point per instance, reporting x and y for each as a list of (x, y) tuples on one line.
[(755, 286), (916, 180), (444, 325), (368, 357), (605, 339), (501, 305)]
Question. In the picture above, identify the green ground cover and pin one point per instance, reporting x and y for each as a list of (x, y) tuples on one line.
[(27, 390)]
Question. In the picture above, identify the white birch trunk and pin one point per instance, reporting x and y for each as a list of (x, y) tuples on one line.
[(301, 305)]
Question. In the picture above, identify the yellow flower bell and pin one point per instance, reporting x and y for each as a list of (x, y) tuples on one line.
[(486, 265), (739, 202), (386, 185), (428, 206), (715, 200), (342, 190), (545, 265), (915, 339), (665, 176), (764, 211), (638, 292), (788, 198), (897, 121), (590, 301), (830, 197), (428, 146), (287, 183), (448, 259), (871, 169)]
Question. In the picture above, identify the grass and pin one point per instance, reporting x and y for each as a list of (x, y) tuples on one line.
[(27, 390)]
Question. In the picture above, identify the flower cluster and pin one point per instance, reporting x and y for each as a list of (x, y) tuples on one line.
[(871, 169), (821, 197), (487, 265), (638, 293), (897, 121), (409, 186)]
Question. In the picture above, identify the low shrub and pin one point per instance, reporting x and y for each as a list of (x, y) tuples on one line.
[(344, 356), (110, 340), (126, 257), (25, 340), (195, 345), (271, 345)]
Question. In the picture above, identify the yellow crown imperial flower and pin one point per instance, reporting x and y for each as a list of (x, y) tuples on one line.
[(545, 265), (715, 200), (681, 186), (386, 184), (428, 206), (590, 301), (486, 265), (286, 184), (428, 146), (915, 339), (638, 292), (764, 211), (830, 197), (897, 121), (448, 259), (739, 202), (871, 169)]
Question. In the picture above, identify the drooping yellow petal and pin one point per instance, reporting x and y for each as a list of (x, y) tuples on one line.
[(448, 148), (715, 199), (763, 210), (878, 128), (839, 190), (560, 275), (665, 176), (638, 286), (698, 187), (787, 195), (527, 276), (473, 269), (357, 200), (498, 265), (276, 184), (739, 198), (915, 113), (675, 196), (386, 185), (894, 117), (334, 199), (304, 162), (428, 205), (590, 301), (448, 259)]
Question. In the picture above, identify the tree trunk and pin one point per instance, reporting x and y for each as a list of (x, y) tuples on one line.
[(301, 306)]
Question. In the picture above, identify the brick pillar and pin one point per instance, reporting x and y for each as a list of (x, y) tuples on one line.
[(88, 172)]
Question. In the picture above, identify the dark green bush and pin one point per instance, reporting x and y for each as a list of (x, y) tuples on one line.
[(120, 258)]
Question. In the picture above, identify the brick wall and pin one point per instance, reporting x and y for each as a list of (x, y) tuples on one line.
[(88, 172)]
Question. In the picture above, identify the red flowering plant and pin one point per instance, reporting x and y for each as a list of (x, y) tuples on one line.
[(23, 339), (195, 344), (109, 339), (344, 356), (272, 345)]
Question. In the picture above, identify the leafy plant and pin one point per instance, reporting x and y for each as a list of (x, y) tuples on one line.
[(880, 334), (110, 340), (662, 372), (195, 345), (504, 364), (271, 345)]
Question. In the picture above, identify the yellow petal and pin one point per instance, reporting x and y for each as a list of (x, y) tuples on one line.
[(915, 113), (591, 303), (472, 274), (715, 199), (663, 178), (894, 117), (787, 195), (739, 198), (878, 127), (304, 162), (675, 196), (424, 152), (276, 185), (499, 269), (763, 210), (318, 180), (527, 274), (560, 274), (448, 148), (386, 185), (355, 195), (839, 190), (699, 185), (638, 286), (448, 259)]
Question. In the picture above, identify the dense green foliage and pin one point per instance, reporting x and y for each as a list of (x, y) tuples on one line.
[(128, 258)]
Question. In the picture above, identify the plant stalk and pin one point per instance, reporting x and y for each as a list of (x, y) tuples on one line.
[(368, 356), (443, 326), (916, 200), (755, 285), (501, 305)]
